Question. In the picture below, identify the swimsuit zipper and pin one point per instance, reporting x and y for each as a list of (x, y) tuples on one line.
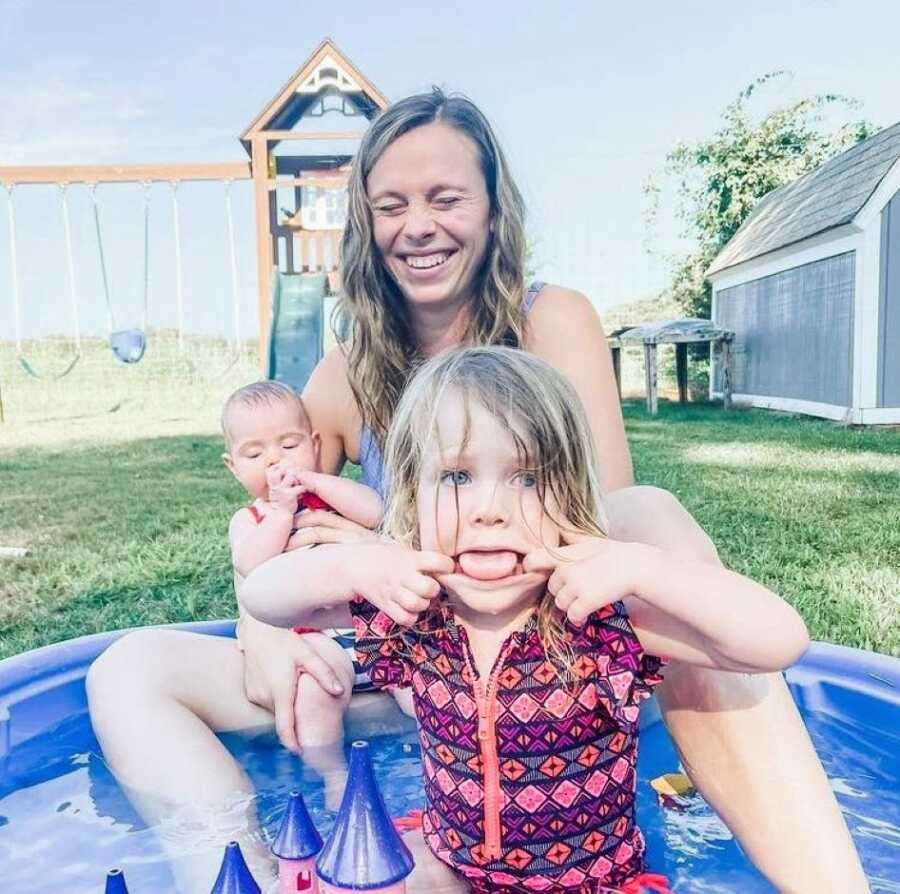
[(486, 700)]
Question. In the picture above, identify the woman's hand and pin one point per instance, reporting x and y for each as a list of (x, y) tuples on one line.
[(593, 572), (274, 658), (399, 580), (316, 526)]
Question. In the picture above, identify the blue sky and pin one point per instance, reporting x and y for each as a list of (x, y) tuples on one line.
[(587, 97)]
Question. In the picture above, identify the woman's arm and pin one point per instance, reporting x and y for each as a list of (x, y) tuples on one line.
[(565, 330), (686, 610), (332, 411)]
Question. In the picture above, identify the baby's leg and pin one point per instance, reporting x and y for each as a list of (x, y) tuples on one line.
[(404, 698), (155, 698), (321, 718)]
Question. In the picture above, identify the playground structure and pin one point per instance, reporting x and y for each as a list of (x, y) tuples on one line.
[(299, 201)]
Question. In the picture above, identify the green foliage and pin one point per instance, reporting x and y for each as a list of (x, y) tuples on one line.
[(719, 180)]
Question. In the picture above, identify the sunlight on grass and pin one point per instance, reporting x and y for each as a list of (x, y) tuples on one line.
[(775, 456)]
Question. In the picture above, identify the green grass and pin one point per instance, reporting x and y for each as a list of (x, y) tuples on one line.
[(133, 532)]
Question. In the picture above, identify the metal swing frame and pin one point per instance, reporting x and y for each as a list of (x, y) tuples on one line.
[(24, 362), (235, 290)]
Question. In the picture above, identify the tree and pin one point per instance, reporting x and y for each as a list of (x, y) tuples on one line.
[(719, 180)]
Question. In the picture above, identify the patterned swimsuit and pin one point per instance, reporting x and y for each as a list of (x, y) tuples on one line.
[(529, 781)]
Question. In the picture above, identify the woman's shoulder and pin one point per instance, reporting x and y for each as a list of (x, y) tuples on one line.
[(558, 315), (555, 299)]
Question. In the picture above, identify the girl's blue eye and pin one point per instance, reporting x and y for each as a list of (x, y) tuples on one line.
[(456, 477), (527, 479)]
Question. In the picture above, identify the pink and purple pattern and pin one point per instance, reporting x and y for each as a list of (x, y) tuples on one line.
[(563, 752)]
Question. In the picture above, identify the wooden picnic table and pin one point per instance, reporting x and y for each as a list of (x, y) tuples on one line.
[(680, 333)]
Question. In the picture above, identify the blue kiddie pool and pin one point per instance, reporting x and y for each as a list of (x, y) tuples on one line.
[(64, 821)]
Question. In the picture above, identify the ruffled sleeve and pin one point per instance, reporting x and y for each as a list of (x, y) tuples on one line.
[(626, 675), (381, 647)]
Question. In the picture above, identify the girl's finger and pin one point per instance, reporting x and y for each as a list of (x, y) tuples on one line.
[(578, 611), (539, 560), (557, 580), (425, 586), (411, 600), (435, 562), (564, 598), (400, 615)]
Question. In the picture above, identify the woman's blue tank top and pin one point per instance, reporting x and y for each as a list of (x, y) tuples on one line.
[(370, 459)]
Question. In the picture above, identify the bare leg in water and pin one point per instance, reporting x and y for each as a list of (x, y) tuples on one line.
[(741, 738), (157, 700)]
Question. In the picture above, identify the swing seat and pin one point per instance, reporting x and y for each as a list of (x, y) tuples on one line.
[(128, 345)]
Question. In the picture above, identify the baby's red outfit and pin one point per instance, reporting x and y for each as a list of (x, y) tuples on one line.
[(529, 780)]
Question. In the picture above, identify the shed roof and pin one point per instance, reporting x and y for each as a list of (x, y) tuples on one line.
[(822, 199)]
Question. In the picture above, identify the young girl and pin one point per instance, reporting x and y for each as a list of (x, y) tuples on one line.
[(529, 659)]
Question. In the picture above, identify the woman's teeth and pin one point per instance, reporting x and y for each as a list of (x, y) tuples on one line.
[(423, 262)]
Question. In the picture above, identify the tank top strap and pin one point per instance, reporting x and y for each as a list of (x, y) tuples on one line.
[(531, 295)]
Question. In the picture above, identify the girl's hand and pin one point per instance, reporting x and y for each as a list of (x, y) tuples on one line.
[(591, 573), (284, 488), (398, 580), (321, 526)]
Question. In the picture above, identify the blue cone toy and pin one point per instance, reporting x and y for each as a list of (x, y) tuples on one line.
[(234, 876), (364, 850), (115, 882)]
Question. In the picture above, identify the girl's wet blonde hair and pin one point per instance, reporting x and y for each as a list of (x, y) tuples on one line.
[(545, 416), (372, 312)]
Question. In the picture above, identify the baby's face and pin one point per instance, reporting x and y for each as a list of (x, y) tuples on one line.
[(477, 504), (263, 436)]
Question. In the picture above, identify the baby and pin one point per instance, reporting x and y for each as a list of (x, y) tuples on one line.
[(272, 450)]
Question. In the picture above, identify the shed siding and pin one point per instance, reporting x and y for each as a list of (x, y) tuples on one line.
[(794, 332), (889, 307)]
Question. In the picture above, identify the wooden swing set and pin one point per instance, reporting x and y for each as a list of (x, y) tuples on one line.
[(305, 239)]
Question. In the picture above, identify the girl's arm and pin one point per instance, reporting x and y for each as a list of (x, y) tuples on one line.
[(312, 586), (678, 610), (686, 610), (252, 542), (565, 330)]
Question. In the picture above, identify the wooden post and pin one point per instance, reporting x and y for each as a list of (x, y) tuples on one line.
[(681, 370), (259, 156), (725, 346), (616, 350), (650, 373)]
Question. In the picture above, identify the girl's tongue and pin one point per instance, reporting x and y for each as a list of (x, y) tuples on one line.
[(491, 565)]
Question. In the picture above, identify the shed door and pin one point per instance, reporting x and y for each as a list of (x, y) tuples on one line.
[(889, 307)]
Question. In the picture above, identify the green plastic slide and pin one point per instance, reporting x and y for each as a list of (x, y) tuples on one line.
[(296, 338)]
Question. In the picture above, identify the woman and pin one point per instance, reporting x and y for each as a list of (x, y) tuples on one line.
[(433, 256)]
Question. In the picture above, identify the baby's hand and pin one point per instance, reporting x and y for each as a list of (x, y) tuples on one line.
[(591, 573), (399, 580), (284, 488)]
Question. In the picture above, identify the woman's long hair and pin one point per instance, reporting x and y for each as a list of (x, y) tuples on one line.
[(382, 353), (548, 423)]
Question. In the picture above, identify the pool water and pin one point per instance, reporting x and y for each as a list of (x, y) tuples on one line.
[(63, 818)]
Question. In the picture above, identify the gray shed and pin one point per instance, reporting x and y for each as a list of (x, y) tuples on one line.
[(810, 285)]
